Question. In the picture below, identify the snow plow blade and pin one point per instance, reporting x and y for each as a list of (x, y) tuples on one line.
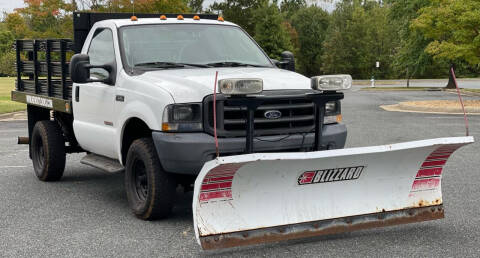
[(258, 198)]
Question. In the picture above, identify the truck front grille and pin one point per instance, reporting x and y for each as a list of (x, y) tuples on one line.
[(297, 116)]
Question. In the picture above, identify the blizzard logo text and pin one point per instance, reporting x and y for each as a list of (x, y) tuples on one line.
[(330, 175)]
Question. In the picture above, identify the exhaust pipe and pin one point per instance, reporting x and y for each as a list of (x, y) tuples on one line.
[(23, 140)]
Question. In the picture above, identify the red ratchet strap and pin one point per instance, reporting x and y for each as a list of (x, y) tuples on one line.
[(461, 100), (215, 114)]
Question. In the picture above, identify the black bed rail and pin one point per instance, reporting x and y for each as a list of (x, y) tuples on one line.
[(42, 67)]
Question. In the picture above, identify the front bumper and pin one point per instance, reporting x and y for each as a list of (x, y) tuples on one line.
[(185, 153)]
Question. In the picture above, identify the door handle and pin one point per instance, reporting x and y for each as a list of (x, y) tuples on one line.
[(77, 93)]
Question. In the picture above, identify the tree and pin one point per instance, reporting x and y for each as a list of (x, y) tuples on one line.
[(143, 6), (358, 36), (15, 23), (6, 39), (7, 63), (290, 7), (410, 58), (454, 28), (311, 24), (270, 32), (43, 19), (239, 12), (196, 5), (7, 55)]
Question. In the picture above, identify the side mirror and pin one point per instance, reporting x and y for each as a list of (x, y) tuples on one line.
[(288, 61), (80, 70)]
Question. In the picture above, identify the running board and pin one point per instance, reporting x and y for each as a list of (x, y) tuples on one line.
[(103, 163)]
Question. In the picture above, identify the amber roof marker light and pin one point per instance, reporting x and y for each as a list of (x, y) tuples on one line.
[(163, 17), (180, 17), (220, 18), (134, 18), (196, 17)]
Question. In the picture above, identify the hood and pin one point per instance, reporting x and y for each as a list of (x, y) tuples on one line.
[(192, 85)]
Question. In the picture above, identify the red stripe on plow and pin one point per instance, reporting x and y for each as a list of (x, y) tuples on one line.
[(215, 195), (427, 183), (441, 153), (434, 163), (216, 179), (226, 168), (438, 157), (216, 186), (429, 172)]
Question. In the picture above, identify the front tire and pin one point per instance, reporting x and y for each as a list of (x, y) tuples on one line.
[(48, 151), (150, 190)]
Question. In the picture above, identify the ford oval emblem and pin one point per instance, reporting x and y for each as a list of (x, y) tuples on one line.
[(272, 114)]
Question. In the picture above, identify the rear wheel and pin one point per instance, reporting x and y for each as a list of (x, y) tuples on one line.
[(48, 151), (150, 190)]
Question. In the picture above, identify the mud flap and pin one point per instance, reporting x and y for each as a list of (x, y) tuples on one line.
[(256, 198)]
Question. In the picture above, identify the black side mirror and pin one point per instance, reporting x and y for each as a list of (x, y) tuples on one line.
[(288, 61), (80, 70)]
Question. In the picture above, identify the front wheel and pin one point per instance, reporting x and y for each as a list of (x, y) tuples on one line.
[(150, 190)]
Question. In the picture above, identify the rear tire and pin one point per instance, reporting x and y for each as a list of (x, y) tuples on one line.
[(48, 151), (150, 190)]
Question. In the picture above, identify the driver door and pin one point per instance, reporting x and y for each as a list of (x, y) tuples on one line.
[(94, 103)]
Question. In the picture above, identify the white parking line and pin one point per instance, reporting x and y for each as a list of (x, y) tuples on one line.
[(13, 151), (13, 166)]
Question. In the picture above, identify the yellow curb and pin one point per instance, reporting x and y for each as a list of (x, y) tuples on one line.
[(398, 108)]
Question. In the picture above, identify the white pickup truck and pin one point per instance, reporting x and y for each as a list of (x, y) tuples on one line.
[(141, 97)]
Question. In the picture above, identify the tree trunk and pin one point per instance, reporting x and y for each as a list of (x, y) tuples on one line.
[(451, 82)]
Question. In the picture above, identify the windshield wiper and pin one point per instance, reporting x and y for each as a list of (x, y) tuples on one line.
[(169, 65), (233, 64)]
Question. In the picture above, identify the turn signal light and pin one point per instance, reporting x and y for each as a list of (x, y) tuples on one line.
[(166, 127), (339, 118), (134, 18), (180, 17), (163, 17)]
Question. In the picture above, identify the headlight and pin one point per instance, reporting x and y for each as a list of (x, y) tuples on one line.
[(332, 82), (240, 86), (182, 118), (331, 108), (332, 112)]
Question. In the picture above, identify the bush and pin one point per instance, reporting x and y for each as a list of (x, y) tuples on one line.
[(7, 63)]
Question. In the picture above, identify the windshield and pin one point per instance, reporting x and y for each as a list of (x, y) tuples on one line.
[(197, 45)]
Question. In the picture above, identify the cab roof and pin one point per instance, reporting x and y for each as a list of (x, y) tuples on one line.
[(147, 21)]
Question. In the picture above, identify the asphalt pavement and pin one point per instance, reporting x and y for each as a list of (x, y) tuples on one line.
[(87, 214)]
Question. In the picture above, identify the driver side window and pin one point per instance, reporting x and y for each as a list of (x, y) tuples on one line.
[(101, 52)]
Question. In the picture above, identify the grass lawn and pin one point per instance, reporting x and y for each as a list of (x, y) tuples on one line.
[(7, 84), (472, 90)]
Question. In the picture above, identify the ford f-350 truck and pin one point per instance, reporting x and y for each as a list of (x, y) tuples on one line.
[(142, 100), (182, 99)]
